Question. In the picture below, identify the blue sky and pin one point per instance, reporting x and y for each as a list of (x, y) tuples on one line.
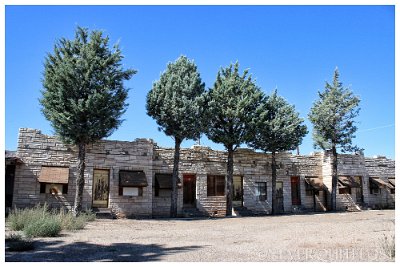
[(292, 48)]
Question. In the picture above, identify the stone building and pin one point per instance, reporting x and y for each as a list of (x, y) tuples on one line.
[(134, 179)]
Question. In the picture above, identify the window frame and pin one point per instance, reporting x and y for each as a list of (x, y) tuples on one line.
[(261, 197), (214, 182)]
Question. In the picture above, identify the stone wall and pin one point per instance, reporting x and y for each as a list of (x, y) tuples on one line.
[(383, 168), (37, 150)]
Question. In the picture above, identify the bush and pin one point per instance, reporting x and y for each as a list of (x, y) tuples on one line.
[(40, 221), (44, 227), (70, 222), (16, 242), (20, 218)]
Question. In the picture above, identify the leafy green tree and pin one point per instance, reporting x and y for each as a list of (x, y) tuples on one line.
[(231, 104), (276, 127), (332, 116), (176, 102), (84, 96)]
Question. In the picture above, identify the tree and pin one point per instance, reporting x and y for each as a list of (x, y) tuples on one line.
[(231, 104), (332, 116), (176, 102), (276, 127), (84, 96)]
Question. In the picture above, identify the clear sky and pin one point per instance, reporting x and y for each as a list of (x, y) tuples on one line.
[(292, 48)]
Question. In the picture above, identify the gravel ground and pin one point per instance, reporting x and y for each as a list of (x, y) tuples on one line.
[(332, 237)]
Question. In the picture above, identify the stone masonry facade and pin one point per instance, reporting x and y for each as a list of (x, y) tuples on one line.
[(36, 150)]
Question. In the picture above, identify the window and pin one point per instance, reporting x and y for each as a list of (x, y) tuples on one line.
[(261, 191), (392, 191), (374, 183), (345, 190), (54, 180), (54, 189), (215, 185), (132, 191), (131, 183), (309, 189), (163, 185)]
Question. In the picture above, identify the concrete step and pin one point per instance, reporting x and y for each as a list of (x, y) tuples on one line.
[(192, 213), (243, 212), (104, 213)]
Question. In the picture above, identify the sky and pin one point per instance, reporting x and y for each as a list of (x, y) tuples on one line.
[(292, 48)]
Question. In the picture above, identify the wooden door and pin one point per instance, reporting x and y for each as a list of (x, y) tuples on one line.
[(100, 188), (359, 191), (279, 197), (189, 190), (295, 185), (237, 191)]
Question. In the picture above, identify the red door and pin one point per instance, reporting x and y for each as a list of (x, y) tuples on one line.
[(295, 182), (189, 190)]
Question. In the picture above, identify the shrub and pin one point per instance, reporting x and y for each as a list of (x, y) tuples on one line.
[(69, 222), (44, 227), (20, 218), (40, 221), (16, 242)]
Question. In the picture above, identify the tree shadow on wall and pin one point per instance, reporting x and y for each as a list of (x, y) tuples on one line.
[(54, 251)]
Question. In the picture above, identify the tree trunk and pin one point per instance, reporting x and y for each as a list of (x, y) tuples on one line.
[(334, 178), (80, 179), (273, 167), (175, 177), (229, 182)]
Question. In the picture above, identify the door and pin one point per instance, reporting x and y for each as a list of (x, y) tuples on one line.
[(359, 192), (189, 191), (100, 188), (279, 197), (10, 173), (295, 185), (237, 200)]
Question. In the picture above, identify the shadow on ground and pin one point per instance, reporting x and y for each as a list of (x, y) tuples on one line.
[(56, 251)]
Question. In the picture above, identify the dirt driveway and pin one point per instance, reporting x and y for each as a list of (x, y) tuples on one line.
[(334, 237)]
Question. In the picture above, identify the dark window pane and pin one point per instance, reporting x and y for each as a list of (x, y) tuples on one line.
[(65, 189), (220, 184), (42, 188), (210, 185)]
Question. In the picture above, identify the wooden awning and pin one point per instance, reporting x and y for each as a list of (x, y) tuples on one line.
[(132, 178), (315, 182), (391, 181), (377, 182), (348, 181), (54, 175), (164, 181)]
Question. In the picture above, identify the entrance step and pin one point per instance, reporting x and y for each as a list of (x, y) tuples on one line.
[(192, 213), (243, 212), (104, 213), (353, 208)]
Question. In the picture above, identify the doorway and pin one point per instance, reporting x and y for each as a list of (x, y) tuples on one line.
[(279, 197), (100, 188), (237, 200), (295, 185), (189, 191)]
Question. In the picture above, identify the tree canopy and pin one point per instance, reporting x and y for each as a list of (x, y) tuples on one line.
[(84, 96), (276, 126), (176, 101), (332, 116), (231, 104)]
